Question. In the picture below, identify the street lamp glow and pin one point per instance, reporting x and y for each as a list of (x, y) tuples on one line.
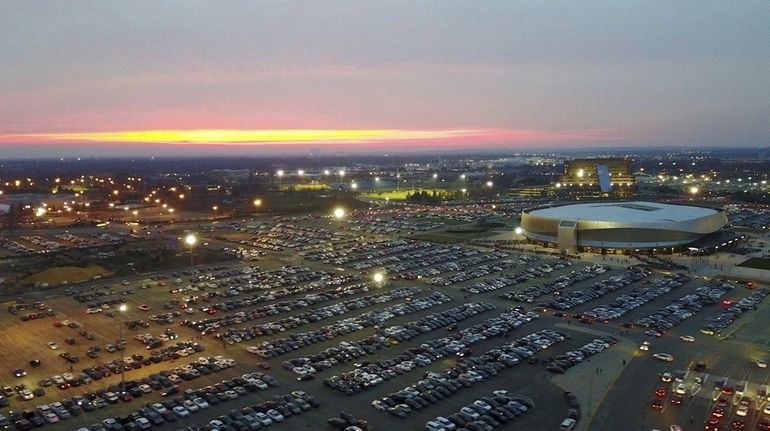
[(326, 172), (464, 190), (122, 308), (300, 172), (257, 202), (377, 179), (190, 240), (694, 190), (462, 176), (435, 176), (279, 172), (378, 277), (519, 230), (354, 186), (490, 183), (341, 173), (40, 212), (215, 208), (339, 213)]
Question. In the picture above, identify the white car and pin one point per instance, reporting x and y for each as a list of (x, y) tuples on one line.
[(663, 357), (687, 338), (93, 310), (742, 410), (191, 406), (760, 363), (263, 419), (681, 389), (645, 346), (201, 403), (181, 411), (275, 415), (143, 423), (445, 423), (666, 377), (469, 411), (52, 345)]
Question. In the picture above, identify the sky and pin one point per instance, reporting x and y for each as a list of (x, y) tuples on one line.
[(185, 76)]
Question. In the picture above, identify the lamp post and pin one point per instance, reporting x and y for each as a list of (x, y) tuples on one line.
[(121, 347), (191, 240), (378, 278), (279, 174)]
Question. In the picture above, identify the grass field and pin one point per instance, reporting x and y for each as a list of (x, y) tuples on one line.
[(396, 195), (301, 187), (68, 274), (308, 201), (757, 263)]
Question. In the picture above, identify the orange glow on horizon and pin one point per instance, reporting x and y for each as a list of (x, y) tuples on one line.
[(255, 137), (267, 137)]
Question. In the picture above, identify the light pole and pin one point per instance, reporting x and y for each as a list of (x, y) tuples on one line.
[(279, 174), (378, 278), (121, 347), (191, 240)]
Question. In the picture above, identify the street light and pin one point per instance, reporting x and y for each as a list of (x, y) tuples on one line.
[(279, 173), (490, 184), (300, 172), (694, 190), (121, 347), (378, 277), (519, 230), (339, 213), (191, 239), (462, 176), (257, 202)]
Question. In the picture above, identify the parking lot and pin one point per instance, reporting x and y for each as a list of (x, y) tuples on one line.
[(309, 315)]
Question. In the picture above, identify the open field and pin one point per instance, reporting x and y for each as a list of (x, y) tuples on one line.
[(757, 263)]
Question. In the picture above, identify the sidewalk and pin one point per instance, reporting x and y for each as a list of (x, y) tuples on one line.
[(589, 386)]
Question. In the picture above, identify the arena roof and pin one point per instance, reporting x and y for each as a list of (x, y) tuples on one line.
[(625, 212)]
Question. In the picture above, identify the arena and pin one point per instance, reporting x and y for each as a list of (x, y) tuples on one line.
[(620, 225)]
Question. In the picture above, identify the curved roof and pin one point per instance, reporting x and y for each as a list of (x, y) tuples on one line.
[(636, 212)]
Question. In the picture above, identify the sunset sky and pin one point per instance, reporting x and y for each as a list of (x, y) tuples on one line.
[(138, 77)]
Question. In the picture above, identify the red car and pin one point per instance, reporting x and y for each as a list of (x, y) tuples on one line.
[(657, 404), (722, 402), (739, 424), (712, 425), (718, 412), (728, 390), (264, 365), (661, 392)]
